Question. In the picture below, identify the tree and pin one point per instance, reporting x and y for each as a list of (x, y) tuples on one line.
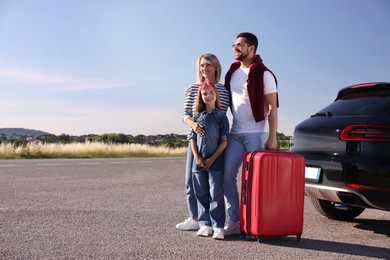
[(140, 139), (64, 139)]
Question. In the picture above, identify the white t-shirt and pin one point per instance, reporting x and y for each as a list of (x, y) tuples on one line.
[(243, 120)]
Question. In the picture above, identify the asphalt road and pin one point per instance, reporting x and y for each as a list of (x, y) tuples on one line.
[(128, 208)]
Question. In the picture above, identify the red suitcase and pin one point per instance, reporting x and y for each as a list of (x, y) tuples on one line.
[(272, 194)]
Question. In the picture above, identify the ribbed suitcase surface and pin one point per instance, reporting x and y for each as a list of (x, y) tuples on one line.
[(272, 194)]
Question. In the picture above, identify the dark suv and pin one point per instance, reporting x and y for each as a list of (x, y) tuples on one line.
[(347, 150)]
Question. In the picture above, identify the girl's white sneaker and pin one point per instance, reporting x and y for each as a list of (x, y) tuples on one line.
[(205, 231), (218, 233)]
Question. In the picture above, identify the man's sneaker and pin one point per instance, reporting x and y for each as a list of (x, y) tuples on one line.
[(205, 231), (188, 224), (232, 229), (218, 233)]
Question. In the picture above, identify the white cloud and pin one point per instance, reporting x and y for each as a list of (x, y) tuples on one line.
[(29, 76), (8, 105), (84, 85), (56, 83)]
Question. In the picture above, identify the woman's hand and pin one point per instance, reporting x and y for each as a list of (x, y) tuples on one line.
[(198, 128), (187, 91)]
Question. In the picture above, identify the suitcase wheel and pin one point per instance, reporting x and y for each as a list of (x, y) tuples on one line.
[(299, 237), (243, 235), (260, 239)]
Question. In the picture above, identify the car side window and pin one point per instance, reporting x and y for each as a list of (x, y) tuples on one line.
[(360, 106)]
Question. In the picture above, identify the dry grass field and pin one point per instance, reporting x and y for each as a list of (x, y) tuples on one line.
[(86, 150)]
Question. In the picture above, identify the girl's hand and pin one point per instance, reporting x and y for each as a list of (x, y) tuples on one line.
[(207, 163), (200, 161)]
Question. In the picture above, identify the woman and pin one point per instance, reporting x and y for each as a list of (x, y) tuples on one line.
[(208, 70)]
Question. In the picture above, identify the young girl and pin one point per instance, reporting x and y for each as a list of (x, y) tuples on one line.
[(208, 161)]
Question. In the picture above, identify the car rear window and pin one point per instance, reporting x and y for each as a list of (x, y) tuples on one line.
[(360, 106), (359, 91)]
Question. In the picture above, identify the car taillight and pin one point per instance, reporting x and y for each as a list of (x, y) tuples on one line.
[(366, 133), (365, 187), (364, 85)]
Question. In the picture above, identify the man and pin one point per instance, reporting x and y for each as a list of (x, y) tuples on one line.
[(254, 103)]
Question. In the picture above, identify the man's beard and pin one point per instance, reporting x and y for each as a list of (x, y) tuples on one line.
[(242, 56)]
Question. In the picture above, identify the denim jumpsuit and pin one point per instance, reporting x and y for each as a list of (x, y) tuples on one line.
[(208, 185)]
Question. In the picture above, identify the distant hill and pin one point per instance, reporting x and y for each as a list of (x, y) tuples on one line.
[(21, 132)]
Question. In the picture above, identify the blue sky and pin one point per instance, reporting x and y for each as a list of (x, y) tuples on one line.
[(94, 66)]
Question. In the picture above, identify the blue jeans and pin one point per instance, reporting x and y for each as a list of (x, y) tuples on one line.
[(238, 145), (190, 193), (208, 187)]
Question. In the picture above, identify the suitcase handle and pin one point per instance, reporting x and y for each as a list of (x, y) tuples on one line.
[(244, 192), (248, 183)]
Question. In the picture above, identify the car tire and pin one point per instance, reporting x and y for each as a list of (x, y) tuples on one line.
[(335, 210)]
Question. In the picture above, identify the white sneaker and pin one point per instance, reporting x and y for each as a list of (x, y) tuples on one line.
[(205, 231), (218, 233), (188, 224), (232, 229)]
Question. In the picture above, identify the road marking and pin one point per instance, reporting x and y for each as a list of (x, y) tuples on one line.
[(89, 163), (118, 162), (49, 164)]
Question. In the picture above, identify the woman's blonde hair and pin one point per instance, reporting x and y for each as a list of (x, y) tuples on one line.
[(200, 105), (213, 61)]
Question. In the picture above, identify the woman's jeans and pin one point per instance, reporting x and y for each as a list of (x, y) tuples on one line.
[(238, 145), (190, 193), (208, 187)]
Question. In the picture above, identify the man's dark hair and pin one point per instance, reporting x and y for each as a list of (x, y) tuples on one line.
[(250, 39)]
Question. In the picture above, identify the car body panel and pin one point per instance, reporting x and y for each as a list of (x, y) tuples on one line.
[(354, 171)]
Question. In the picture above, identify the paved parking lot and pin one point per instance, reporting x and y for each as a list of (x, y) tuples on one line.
[(128, 208)]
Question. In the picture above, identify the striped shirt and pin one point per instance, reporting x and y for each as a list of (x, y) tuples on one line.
[(190, 100)]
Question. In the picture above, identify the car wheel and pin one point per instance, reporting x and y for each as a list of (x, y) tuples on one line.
[(335, 210)]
